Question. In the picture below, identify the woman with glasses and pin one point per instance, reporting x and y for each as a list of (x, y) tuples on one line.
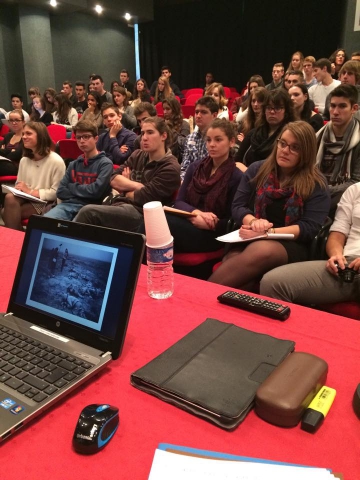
[(277, 111), (300, 97), (285, 194), (40, 172), (337, 59), (12, 145)]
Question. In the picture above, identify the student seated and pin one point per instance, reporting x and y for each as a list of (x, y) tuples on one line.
[(87, 179), (338, 143), (121, 100), (12, 145), (40, 172), (300, 98), (179, 127), (93, 112), (207, 191), (163, 90), (217, 92), (38, 112), (283, 194), (319, 282), (64, 114), (152, 173), (118, 141), (17, 104), (277, 111), (206, 110)]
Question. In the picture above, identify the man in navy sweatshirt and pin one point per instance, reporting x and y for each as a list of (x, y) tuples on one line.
[(118, 141), (87, 179)]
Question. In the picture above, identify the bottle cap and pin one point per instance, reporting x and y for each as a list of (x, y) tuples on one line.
[(156, 226)]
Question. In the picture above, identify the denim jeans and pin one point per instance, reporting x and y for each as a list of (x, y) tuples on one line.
[(64, 211)]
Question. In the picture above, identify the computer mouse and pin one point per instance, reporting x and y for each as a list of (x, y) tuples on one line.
[(95, 428)]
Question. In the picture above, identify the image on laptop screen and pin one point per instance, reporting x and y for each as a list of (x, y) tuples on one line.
[(78, 281)]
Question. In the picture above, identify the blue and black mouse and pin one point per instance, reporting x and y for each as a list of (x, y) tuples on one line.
[(95, 428)]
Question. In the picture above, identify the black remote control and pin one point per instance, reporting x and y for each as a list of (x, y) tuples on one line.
[(255, 304)]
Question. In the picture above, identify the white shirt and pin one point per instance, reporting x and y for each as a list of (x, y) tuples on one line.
[(347, 219), (319, 92)]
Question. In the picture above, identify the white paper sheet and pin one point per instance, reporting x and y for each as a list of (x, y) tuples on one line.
[(167, 465), (234, 237), (19, 193)]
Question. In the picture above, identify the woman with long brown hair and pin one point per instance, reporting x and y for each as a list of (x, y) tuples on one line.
[(285, 194), (40, 172), (64, 114)]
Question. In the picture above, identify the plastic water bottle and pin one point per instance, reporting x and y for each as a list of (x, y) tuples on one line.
[(160, 274)]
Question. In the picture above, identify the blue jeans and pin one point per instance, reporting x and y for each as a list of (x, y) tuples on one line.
[(64, 211)]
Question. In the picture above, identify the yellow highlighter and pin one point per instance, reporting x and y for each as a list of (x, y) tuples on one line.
[(317, 410)]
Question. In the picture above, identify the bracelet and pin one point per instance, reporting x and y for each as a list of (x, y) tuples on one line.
[(270, 230), (252, 221)]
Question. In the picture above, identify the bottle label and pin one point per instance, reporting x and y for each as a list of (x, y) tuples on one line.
[(160, 255)]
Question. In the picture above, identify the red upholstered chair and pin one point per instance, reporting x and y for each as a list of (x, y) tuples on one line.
[(68, 148), (345, 309), (3, 131), (159, 109), (188, 110), (192, 99), (227, 92), (57, 132), (8, 179), (197, 265), (194, 91)]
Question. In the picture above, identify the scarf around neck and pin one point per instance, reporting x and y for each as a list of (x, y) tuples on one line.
[(271, 190)]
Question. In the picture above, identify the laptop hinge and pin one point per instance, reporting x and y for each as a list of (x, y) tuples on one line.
[(105, 354)]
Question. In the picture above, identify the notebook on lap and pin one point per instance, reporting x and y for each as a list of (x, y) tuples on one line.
[(68, 313)]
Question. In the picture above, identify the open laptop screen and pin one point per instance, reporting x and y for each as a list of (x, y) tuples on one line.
[(69, 277)]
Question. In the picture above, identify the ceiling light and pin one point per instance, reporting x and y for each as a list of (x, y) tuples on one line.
[(98, 9), (53, 3), (127, 16)]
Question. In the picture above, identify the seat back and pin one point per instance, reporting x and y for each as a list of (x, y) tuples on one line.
[(68, 148), (56, 132), (188, 110), (192, 99), (159, 109), (194, 91)]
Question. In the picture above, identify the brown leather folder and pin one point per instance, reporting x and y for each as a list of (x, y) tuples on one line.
[(214, 371)]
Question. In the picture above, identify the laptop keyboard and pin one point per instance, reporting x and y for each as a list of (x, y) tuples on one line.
[(34, 369)]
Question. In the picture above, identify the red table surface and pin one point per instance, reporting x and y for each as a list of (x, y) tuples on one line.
[(42, 449)]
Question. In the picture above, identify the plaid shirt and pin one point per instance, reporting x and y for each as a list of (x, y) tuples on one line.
[(195, 149)]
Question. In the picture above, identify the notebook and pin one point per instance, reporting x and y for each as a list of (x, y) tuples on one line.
[(68, 313)]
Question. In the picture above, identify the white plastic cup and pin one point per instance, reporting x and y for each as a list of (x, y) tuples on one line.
[(156, 226)]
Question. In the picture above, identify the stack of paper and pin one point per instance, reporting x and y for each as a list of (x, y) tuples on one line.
[(184, 467)]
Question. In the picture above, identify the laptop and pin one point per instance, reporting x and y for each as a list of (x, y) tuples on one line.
[(68, 313)]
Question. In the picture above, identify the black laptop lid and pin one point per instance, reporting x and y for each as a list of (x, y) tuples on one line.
[(78, 281)]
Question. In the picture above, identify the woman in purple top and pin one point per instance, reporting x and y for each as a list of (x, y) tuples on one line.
[(207, 192)]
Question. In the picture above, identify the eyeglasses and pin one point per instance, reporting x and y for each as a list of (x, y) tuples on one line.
[(268, 108), (85, 136), (15, 120), (340, 55), (294, 148)]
